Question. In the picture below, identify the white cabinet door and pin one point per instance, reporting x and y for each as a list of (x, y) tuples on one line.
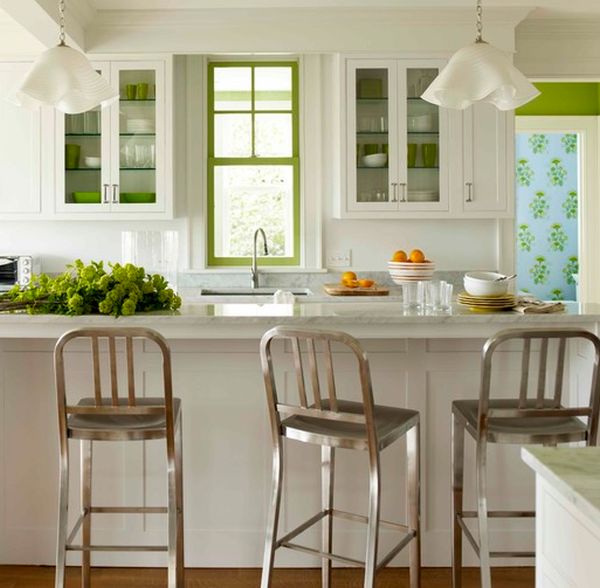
[(117, 162), (82, 159), (396, 162), (20, 147), (488, 163)]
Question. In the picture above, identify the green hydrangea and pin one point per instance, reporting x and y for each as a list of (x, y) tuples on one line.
[(557, 237), (91, 289), (526, 237), (538, 143), (557, 173), (570, 205), (539, 205), (569, 142), (525, 173), (539, 271)]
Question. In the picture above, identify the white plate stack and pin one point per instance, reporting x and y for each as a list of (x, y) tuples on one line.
[(406, 271), (140, 125)]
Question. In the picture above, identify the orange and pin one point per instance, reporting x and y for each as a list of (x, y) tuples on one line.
[(417, 256), (399, 255), (348, 276), (365, 283), (350, 283)]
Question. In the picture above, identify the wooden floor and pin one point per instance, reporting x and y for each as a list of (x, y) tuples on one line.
[(43, 577)]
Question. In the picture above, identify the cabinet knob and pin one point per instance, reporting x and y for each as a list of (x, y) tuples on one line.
[(115, 193), (469, 186), (105, 194)]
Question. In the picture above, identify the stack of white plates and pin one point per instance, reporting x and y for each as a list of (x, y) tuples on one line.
[(423, 196), (406, 271), (140, 125)]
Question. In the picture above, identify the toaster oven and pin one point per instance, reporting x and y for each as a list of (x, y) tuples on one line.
[(15, 269)]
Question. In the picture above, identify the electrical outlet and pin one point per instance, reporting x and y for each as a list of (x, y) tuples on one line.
[(340, 259)]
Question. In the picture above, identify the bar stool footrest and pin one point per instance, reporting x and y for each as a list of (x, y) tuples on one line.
[(494, 514), (499, 514), (117, 547), (409, 534)]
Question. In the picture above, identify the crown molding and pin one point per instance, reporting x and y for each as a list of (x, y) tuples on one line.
[(559, 28)]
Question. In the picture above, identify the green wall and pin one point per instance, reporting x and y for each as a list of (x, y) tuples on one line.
[(564, 99)]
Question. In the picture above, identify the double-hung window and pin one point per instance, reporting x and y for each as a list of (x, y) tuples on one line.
[(253, 164)]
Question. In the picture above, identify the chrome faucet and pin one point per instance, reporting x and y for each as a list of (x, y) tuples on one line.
[(254, 267)]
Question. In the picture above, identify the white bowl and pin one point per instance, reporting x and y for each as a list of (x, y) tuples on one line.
[(483, 284), (92, 161), (375, 160), (420, 123)]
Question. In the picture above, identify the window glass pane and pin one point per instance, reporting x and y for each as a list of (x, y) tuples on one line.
[(233, 135), (273, 88), (233, 88), (273, 135), (247, 197)]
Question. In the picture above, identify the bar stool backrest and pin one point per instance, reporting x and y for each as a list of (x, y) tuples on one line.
[(547, 398), (114, 404), (315, 405)]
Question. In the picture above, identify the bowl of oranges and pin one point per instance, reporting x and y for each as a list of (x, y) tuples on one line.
[(414, 267)]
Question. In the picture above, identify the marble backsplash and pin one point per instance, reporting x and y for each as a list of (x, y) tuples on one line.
[(189, 283)]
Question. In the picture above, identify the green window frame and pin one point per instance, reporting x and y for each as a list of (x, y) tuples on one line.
[(293, 161)]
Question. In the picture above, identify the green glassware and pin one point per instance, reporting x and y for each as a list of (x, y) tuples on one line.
[(371, 148), (130, 91), (72, 153), (411, 154), (142, 91), (429, 152)]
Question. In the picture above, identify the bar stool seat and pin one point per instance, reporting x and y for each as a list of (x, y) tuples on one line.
[(534, 429), (390, 423), (92, 426)]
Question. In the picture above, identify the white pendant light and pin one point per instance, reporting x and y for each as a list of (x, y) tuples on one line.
[(480, 73), (63, 77)]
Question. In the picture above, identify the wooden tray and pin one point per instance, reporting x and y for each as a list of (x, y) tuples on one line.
[(341, 290)]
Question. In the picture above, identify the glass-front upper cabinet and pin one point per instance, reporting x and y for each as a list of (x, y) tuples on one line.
[(396, 141), (114, 160)]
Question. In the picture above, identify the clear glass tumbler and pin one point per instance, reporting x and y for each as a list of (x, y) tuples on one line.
[(413, 294), (438, 295)]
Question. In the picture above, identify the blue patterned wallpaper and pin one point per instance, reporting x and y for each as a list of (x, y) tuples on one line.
[(546, 216)]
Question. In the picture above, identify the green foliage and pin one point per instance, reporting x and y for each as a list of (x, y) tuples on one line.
[(557, 294), (90, 289)]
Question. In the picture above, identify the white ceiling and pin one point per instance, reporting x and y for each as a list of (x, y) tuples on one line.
[(546, 8)]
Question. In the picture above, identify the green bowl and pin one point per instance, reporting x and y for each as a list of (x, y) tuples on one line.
[(138, 197), (86, 197)]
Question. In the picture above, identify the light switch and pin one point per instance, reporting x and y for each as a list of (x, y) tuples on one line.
[(340, 259)]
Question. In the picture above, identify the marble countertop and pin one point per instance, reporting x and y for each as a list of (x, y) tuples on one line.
[(573, 471), (364, 319)]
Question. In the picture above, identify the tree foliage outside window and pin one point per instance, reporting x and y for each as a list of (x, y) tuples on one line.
[(253, 161)]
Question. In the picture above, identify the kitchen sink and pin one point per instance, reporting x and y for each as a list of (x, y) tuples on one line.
[(252, 291)]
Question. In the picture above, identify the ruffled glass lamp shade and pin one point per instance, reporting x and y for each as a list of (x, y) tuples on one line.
[(480, 73), (63, 77)]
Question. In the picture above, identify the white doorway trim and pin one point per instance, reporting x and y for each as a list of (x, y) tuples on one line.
[(587, 127)]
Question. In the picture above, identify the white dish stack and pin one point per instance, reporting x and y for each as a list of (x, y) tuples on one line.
[(406, 271), (140, 125)]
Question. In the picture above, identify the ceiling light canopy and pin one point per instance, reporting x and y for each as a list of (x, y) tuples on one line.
[(62, 77), (480, 73)]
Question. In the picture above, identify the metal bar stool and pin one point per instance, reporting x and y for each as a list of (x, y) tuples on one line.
[(538, 420), (331, 422), (117, 418)]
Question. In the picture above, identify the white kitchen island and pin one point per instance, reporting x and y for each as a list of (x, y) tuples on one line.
[(568, 515), (423, 362)]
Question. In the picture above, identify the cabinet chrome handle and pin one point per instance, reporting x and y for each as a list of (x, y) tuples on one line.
[(469, 186), (394, 191), (115, 193), (403, 193), (105, 194)]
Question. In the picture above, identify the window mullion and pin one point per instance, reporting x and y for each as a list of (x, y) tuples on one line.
[(252, 107)]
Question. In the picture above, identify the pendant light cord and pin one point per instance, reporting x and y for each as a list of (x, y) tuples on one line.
[(479, 26), (61, 23)]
